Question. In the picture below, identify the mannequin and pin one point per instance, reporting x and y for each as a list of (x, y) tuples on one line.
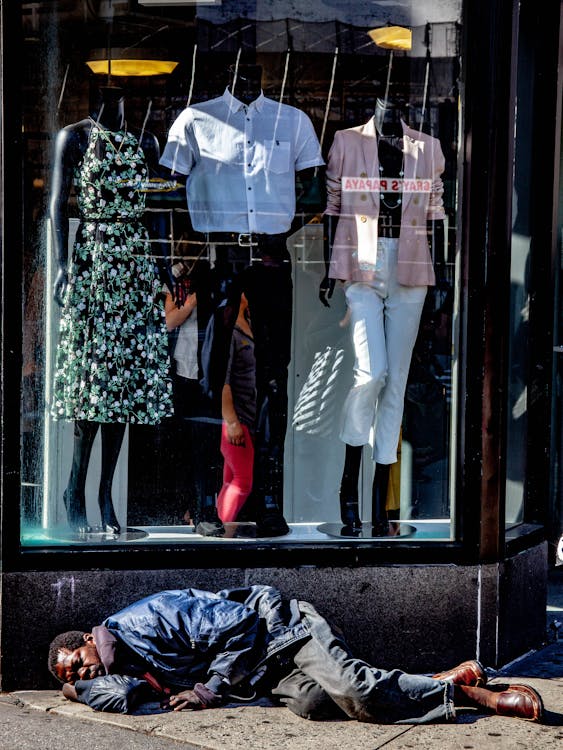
[(241, 198), (96, 374), (387, 267)]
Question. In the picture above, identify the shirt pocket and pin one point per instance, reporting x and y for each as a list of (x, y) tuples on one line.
[(277, 156)]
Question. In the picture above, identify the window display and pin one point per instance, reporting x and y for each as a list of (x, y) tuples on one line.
[(240, 274)]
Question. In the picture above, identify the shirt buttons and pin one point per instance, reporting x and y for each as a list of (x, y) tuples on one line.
[(364, 174), (363, 197), (413, 222), (363, 219), (416, 200)]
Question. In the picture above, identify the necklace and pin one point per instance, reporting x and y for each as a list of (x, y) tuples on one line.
[(395, 143)]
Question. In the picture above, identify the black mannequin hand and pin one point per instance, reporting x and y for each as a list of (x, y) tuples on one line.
[(326, 290), (60, 285)]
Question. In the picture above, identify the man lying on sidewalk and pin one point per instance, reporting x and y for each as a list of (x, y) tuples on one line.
[(204, 649)]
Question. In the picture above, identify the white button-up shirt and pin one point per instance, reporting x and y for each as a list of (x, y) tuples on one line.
[(241, 162)]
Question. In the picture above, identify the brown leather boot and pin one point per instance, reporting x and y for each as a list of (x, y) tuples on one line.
[(518, 701), (467, 673)]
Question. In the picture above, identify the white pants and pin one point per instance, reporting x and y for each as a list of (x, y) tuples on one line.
[(385, 318)]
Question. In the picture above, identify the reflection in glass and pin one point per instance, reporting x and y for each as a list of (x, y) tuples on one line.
[(236, 206)]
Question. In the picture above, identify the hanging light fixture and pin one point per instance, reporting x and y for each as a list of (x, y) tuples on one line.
[(129, 62), (392, 37)]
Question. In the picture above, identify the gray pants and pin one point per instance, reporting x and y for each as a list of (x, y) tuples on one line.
[(328, 683)]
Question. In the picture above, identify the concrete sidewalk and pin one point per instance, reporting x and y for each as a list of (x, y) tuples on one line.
[(265, 727)]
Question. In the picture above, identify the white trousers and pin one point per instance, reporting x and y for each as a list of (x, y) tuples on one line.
[(385, 317)]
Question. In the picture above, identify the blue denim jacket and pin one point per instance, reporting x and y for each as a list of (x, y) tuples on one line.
[(187, 636)]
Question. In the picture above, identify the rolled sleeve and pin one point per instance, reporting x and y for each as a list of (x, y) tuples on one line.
[(178, 154), (436, 202), (307, 149)]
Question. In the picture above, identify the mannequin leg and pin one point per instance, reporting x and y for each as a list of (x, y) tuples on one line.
[(349, 502), (379, 518), (74, 496), (269, 289), (112, 439)]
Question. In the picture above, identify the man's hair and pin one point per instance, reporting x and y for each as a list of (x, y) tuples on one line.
[(71, 639)]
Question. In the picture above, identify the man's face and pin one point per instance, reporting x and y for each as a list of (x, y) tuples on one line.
[(81, 664)]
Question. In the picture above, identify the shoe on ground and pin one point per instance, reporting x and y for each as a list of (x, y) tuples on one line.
[(469, 673), (521, 702)]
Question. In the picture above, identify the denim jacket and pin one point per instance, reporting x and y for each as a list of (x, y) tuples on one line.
[(221, 639)]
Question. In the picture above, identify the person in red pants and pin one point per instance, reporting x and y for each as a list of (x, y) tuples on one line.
[(238, 407)]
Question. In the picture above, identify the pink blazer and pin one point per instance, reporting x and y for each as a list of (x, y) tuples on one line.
[(353, 196)]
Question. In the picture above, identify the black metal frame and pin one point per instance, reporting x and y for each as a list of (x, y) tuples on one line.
[(489, 54)]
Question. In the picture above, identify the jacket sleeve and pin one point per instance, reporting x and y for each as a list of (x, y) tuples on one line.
[(334, 176)]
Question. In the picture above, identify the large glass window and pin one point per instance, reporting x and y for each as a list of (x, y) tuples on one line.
[(240, 287)]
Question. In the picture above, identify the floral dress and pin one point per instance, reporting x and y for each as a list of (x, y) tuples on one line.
[(112, 360)]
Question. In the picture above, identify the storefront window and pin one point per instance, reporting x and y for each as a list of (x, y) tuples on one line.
[(240, 271)]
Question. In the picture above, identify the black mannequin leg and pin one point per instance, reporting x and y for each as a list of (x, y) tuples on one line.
[(379, 517), (349, 504), (112, 439), (74, 496)]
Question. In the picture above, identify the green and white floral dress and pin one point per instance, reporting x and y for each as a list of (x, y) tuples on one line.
[(112, 358)]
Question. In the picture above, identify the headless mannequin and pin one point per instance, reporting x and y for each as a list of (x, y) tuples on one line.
[(388, 117), (71, 144), (245, 82)]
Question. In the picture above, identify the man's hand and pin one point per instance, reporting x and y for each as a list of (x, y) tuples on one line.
[(187, 699), (193, 700), (326, 290)]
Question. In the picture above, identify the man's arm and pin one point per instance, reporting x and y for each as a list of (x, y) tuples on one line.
[(236, 652)]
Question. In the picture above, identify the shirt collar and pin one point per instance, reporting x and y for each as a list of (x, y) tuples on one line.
[(235, 105)]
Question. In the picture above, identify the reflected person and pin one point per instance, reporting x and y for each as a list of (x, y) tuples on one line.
[(241, 152)]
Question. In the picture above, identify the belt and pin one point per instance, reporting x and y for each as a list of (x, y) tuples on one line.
[(244, 239)]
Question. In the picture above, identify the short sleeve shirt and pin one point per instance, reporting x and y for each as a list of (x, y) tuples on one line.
[(241, 162)]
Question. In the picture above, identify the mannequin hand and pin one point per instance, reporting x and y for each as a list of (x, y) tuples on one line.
[(326, 290), (235, 433), (60, 285)]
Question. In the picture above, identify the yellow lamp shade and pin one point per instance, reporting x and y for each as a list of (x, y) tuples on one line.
[(134, 67), (392, 37)]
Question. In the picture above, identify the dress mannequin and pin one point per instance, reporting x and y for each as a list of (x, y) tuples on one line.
[(92, 358), (391, 152)]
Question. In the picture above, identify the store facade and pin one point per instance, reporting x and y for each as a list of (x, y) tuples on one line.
[(280, 305)]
